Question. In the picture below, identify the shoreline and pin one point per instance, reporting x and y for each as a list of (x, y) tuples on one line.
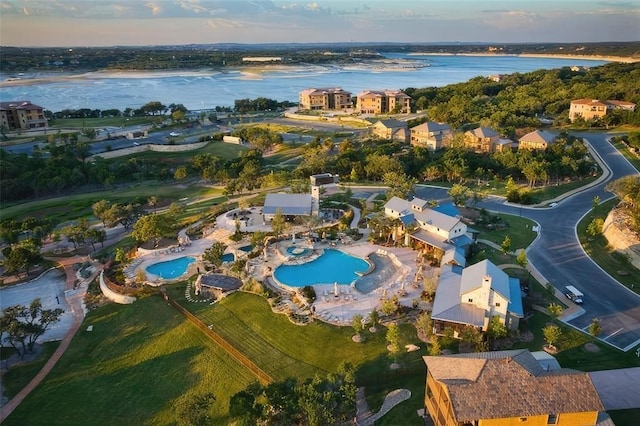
[(255, 72)]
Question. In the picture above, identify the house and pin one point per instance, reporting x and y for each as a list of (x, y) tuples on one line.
[(507, 388), (443, 236), (21, 115), (431, 135), (536, 140), (383, 102), (393, 130), (292, 205), (594, 109), (482, 139), (472, 296), (329, 98)]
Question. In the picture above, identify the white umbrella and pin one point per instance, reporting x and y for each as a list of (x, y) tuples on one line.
[(335, 289)]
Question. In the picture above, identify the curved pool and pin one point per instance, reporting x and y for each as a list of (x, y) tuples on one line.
[(331, 267), (171, 268)]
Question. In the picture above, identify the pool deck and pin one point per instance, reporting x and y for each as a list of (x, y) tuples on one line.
[(340, 309)]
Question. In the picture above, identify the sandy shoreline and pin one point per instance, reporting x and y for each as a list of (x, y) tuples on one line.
[(255, 72)]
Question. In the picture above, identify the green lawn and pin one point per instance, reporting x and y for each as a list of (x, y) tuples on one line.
[(599, 250), (633, 159), (519, 231), (137, 366), (80, 123), (20, 375)]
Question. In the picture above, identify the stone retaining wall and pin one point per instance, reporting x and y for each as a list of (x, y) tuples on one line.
[(112, 295), (150, 147)]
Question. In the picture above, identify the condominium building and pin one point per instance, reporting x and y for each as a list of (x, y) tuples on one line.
[(536, 140), (593, 109), (383, 102), (328, 98), (431, 135), (21, 115)]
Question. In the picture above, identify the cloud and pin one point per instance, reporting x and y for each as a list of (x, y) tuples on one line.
[(155, 9), (225, 24)]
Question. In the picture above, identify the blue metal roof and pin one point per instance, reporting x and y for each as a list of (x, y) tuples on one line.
[(447, 208)]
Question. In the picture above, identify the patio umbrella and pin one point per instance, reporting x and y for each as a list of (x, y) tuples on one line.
[(335, 289)]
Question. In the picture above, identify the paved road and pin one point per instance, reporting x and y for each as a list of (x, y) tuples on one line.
[(559, 257)]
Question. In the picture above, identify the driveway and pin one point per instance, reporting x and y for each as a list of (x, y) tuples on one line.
[(560, 259)]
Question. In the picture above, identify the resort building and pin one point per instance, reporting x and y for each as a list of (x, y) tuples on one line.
[(593, 109), (383, 102), (21, 115), (393, 130), (443, 236), (472, 296), (485, 140), (292, 205), (431, 135), (536, 140), (334, 98), (507, 388)]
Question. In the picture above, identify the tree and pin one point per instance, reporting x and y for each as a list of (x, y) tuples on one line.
[(595, 227), (393, 338), (390, 305), (180, 173), (357, 324), (21, 326), (152, 226), (595, 328), (213, 254), (374, 318), (22, 256), (400, 185), (551, 334), (506, 244), (195, 410), (434, 348), (424, 325), (595, 202), (460, 194), (496, 329), (278, 223), (555, 310), (100, 209), (521, 259)]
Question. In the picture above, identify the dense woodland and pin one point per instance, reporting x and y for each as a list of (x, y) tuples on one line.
[(512, 106), (218, 56)]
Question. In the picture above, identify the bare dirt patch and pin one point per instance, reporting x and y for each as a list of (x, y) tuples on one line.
[(621, 236)]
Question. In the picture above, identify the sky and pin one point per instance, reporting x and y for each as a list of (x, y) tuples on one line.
[(73, 23)]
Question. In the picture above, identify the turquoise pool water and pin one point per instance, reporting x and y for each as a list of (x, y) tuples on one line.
[(333, 266), (171, 268), (246, 249), (228, 257)]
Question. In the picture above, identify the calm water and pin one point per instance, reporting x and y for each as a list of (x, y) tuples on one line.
[(333, 266), (209, 89), (171, 268)]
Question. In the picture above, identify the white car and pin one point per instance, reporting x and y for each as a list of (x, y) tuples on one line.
[(174, 134)]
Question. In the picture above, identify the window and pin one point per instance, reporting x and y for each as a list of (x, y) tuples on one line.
[(470, 300), (553, 419), (497, 304)]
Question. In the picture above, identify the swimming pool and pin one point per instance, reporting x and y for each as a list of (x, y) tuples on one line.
[(333, 266), (228, 257), (246, 249), (171, 268)]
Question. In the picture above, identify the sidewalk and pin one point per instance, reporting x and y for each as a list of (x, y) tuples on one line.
[(74, 300)]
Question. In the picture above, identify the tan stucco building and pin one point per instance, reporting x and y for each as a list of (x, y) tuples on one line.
[(431, 135), (328, 98), (593, 109), (383, 102), (21, 115)]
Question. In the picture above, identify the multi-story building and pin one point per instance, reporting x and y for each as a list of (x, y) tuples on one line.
[(21, 115), (431, 135), (593, 109), (329, 98), (481, 139), (383, 102), (536, 140), (472, 296), (393, 130), (508, 388)]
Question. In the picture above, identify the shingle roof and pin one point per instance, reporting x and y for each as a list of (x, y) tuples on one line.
[(18, 105), (538, 136), (431, 126), (393, 124), (493, 385), (484, 132)]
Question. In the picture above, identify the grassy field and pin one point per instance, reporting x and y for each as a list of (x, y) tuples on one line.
[(20, 375), (519, 231), (140, 363), (82, 123), (601, 252), (624, 150)]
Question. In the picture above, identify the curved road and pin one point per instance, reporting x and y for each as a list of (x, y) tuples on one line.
[(559, 257)]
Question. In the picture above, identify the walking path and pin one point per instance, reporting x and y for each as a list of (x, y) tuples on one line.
[(364, 416), (74, 296)]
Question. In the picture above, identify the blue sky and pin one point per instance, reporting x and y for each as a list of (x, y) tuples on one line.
[(147, 22)]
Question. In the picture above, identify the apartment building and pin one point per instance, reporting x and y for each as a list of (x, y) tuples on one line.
[(21, 115), (383, 102), (393, 130), (593, 109), (536, 140), (431, 135), (328, 98)]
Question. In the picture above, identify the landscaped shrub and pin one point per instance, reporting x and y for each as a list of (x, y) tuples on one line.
[(309, 293)]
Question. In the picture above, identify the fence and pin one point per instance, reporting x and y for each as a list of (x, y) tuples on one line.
[(263, 377)]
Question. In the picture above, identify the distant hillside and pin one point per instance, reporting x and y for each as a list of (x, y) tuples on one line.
[(219, 56)]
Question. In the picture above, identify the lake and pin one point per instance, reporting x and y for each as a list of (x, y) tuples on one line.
[(207, 89)]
